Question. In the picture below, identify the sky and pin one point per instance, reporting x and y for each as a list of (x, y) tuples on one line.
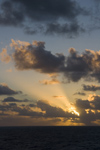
[(49, 63)]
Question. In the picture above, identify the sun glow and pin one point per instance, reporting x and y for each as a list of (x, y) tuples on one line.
[(76, 113), (73, 111), (65, 103), (55, 95)]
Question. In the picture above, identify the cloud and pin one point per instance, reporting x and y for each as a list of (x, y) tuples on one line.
[(7, 107), (11, 108), (93, 102), (52, 111), (12, 99), (83, 104), (79, 93), (9, 70), (28, 112), (31, 31), (34, 56), (89, 110), (89, 118), (58, 96), (27, 121), (32, 105), (53, 80), (69, 30), (83, 65), (85, 118), (40, 109), (39, 10), (21, 13), (77, 65), (4, 57), (10, 15), (74, 67), (91, 87), (5, 90), (49, 82)]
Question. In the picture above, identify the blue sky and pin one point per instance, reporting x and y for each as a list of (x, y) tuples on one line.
[(49, 62)]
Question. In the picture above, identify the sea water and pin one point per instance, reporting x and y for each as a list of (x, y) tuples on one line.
[(50, 138)]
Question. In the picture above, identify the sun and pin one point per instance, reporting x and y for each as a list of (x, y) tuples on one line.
[(72, 109)]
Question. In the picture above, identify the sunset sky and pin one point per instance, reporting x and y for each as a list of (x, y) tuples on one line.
[(49, 62)]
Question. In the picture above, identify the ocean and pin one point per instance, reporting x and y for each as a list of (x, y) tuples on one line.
[(50, 138)]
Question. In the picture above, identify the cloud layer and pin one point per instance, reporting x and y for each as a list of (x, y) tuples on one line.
[(74, 67), (88, 109), (91, 87), (12, 99), (34, 56), (40, 109), (5, 90), (80, 93), (50, 14)]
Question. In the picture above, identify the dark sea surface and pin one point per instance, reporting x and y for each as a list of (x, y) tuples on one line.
[(49, 138)]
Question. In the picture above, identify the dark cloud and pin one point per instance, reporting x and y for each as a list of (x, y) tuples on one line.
[(21, 111), (41, 109), (78, 66), (89, 118), (32, 105), (74, 66), (5, 90), (41, 10), (10, 14), (12, 99), (36, 57), (89, 110), (80, 93), (86, 117), (28, 112), (28, 121), (52, 111), (92, 103), (30, 31), (82, 66), (69, 30), (83, 104), (95, 101), (91, 87), (23, 12)]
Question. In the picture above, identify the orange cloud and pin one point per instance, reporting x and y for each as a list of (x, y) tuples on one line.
[(4, 57), (9, 70), (48, 82), (58, 96)]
